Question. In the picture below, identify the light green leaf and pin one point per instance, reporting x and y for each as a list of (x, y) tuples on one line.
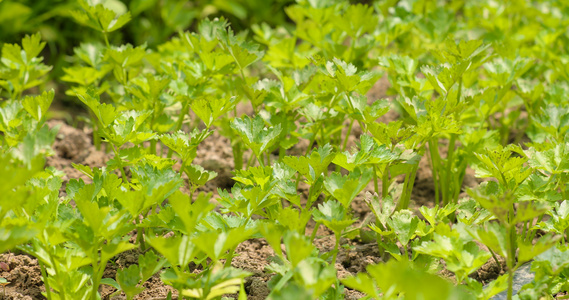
[(254, 134), (128, 280), (198, 175), (178, 250), (404, 224), (333, 215), (346, 188), (316, 163)]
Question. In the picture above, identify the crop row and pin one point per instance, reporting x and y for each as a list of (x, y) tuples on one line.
[(478, 85)]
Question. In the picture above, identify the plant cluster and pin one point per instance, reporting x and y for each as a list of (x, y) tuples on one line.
[(478, 85)]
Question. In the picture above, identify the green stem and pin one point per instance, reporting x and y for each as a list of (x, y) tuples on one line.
[(435, 163), (533, 233), (106, 40), (309, 147), (115, 150), (45, 282), (313, 235), (375, 180), (282, 153), (459, 179), (229, 258), (260, 160), (237, 156), (153, 147), (95, 287), (408, 187), (385, 182), (511, 257), (62, 290), (140, 235), (250, 160), (525, 229), (510, 281), (459, 95), (449, 162), (336, 246), (347, 136)]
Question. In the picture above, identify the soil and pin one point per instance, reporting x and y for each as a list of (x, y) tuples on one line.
[(74, 145), (24, 275)]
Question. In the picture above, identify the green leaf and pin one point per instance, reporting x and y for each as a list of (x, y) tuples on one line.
[(298, 247), (369, 154), (404, 224), (261, 176), (190, 213), (32, 45), (84, 76), (197, 175), (461, 257), (217, 282), (363, 283), (93, 215), (528, 210), (493, 236), (105, 113), (185, 146), (528, 249), (157, 184), (150, 264), (127, 127), (554, 161), (35, 146), (346, 188), (434, 215), (209, 110), (111, 249), (12, 236), (553, 120), (346, 78), (100, 18), (128, 280), (500, 164), (381, 208), (111, 282), (315, 276), (178, 250), (496, 286), (357, 20), (333, 215), (243, 53), (273, 234), (402, 277), (254, 134), (314, 165), (292, 219), (215, 244), (12, 54), (291, 290), (552, 261), (125, 56)]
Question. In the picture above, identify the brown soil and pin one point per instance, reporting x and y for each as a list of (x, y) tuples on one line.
[(75, 146), (24, 275)]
